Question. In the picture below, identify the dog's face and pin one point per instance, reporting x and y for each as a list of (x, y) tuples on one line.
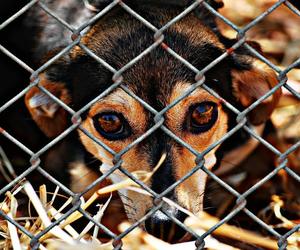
[(118, 119)]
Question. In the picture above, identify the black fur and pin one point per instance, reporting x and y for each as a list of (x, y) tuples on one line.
[(153, 77)]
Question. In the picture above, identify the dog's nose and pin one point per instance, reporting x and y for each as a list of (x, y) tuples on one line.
[(161, 226)]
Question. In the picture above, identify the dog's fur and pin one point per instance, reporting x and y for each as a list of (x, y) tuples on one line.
[(159, 79)]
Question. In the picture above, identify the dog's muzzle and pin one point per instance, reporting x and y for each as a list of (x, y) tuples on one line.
[(162, 226)]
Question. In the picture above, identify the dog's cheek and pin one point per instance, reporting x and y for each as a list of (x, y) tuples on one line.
[(100, 153), (82, 177), (190, 193), (135, 204), (87, 142)]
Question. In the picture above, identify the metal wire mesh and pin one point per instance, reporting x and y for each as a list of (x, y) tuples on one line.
[(158, 41)]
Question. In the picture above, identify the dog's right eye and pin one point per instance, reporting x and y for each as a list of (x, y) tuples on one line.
[(202, 117), (112, 126)]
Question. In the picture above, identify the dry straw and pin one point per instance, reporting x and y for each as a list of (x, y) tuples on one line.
[(66, 237)]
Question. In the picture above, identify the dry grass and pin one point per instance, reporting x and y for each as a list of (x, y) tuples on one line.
[(65, 236)]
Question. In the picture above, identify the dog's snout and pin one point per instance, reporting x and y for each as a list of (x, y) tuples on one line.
[(161, 226)]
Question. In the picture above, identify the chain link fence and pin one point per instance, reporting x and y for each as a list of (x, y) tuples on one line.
[(158, 41)]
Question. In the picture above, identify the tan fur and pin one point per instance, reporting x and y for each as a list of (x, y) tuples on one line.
[(51, 126), (82, 177), (192, 189), (250, 85)]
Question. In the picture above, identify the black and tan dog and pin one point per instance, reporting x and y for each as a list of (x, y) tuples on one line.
[(158, 78)]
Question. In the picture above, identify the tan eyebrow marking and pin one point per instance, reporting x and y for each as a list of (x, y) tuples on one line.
[(117, 99), (178, 112), (119, 96), (182, 87)]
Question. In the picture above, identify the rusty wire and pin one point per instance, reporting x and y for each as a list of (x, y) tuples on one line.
[(158, 41)]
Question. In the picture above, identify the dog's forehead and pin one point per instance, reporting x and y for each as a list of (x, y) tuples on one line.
[(118, 39), (119, 25)]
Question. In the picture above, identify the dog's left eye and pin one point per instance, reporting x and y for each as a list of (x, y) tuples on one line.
[(202, 117), (112, 126)]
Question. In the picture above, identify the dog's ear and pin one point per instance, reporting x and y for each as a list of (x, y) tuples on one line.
[(250, 82), (49, 115)]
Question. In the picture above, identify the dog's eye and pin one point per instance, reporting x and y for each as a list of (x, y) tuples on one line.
[(202, 117), (112, 126)]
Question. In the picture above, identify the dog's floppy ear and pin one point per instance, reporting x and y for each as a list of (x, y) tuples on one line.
[(252, 81), (49, 115)]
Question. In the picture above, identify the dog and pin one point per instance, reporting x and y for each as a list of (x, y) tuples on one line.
[(159, 79)]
